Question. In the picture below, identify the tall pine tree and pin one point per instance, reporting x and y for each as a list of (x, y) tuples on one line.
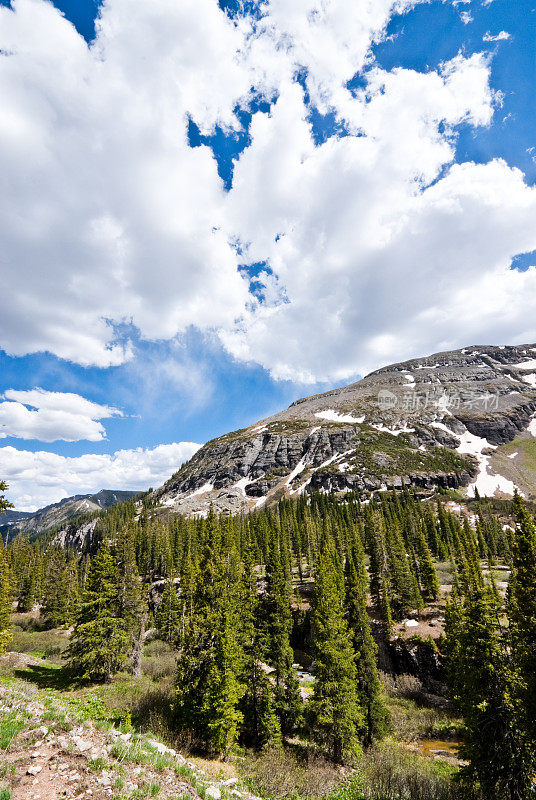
[(335, 713)]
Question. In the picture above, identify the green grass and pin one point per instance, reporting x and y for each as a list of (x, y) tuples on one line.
[(96, 764), (9, 728), (42, 644), (5, 793)]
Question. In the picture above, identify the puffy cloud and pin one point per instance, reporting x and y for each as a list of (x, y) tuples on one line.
[(373, 240), (373, 237), (37, 479), (107, 215), (50, 416)]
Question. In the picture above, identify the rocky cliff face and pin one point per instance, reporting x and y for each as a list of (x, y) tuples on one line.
[(59, 513), (426, 422)]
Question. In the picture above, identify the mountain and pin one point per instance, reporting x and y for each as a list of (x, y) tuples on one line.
[(51, 516), (459, 419)]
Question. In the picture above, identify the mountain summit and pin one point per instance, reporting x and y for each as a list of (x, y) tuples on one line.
[(458, 419)]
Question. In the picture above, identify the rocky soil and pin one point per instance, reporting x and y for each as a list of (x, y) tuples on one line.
[(48, 754)]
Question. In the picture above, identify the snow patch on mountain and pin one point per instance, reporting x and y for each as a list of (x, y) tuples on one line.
[(393, 431), (335, 416)]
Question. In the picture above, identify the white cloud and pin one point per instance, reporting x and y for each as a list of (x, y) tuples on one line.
[(466, 17), (107, 213), (499, 37), (108, 216), (50, 416), (37, 479), (370, 247)]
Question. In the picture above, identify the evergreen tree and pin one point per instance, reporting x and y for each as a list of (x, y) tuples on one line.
[(210, 657), (481, 679), (261, 726), (429, 583), (167, 617), (224, 689), (60, 591), (5, 598), (366, 652), (100, 642), (335, 713), (280, 655), (521, 607), (131, 605), (4, 503)]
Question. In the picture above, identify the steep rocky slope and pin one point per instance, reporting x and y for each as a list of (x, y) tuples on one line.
[(51, 516), (428, 422)]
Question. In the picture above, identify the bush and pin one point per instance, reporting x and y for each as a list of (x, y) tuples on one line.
[(47, 644), (390, 772), (153, 712), (277, 773)]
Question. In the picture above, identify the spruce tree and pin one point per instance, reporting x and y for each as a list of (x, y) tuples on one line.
[(131, 604), (5, 599), (167, 617), (366, 652), (210, 659), (224, 690), (521, 608), (280, 655), (99, 643), (60, 591), (429, 583), (500, 757), (4, 503), (261, 726), (335, 713)]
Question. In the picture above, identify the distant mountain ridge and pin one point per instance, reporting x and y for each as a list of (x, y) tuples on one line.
[(446, 420), (14, 522)]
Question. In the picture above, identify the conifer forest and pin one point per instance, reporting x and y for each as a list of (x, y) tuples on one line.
[(281, 625)]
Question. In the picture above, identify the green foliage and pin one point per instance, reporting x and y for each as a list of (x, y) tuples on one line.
[(521, 608), (99, 643), (210, 657), (10, 726), (5, 599), (335, 712), (4, 504), (366, 651), (481, 678), (168, 617)]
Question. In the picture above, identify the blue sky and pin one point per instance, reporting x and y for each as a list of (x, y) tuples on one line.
[(195, 236)]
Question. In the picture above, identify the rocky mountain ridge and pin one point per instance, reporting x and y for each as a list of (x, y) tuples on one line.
[(15, 522), (428, 422)]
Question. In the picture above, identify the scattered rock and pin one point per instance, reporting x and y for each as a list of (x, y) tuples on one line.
[(213, 793), (82, 745), (35, 769)]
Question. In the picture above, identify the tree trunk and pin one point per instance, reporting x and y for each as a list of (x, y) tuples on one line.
[(138, 645)]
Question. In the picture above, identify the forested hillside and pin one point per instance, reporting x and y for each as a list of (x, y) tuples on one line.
[(277, 619)]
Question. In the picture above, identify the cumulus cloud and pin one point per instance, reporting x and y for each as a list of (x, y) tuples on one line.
[(371, 238), (37, 479), (51, 416)]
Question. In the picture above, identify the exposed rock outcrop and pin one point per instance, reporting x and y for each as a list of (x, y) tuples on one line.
[(424, 423)]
